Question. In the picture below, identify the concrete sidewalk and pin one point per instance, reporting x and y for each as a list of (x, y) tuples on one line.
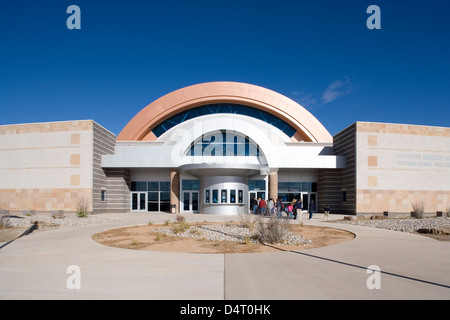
[(35, 267)]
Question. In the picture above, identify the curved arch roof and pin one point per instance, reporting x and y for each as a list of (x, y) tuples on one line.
[(307, 127)]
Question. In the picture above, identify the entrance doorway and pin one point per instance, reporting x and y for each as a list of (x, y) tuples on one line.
[(306, 199), (139, 201), (190, 201), (257, 195), (290, 197)]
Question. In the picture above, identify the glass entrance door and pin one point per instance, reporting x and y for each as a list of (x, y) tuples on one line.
[(194, 198), (306, 199), (190, 201), (139, 201), (257, 195)]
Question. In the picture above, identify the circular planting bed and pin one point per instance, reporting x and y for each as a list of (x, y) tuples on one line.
[(219, 238)]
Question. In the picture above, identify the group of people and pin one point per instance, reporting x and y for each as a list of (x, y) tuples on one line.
[(294, 209)]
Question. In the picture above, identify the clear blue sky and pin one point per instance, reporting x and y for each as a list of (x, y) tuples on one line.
[(318, 53)]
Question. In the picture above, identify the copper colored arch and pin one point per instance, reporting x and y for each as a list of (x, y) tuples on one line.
[(308, 127)]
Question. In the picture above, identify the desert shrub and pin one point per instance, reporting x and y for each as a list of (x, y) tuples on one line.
[(180, 218), (247, 220), (195, 232), (447, 211), (180, 228), (82, 208), (418, 209), (272, 231), (159, 236), (246, 240)]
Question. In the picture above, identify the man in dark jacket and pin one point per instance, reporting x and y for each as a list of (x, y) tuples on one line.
[(298, 209), (311, 209), (254, 205)]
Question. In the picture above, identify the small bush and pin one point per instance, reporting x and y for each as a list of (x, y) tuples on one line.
[(247, 221), (82, 208), (272, 231), (246, 240), (418, 209), (180, 218), (195, 232), (180, 228), (160, 236)]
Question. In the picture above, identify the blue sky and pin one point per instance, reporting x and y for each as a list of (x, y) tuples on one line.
[(318, 53)]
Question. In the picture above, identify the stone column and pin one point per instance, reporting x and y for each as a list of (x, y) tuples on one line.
[(174, 190), (273, 185)]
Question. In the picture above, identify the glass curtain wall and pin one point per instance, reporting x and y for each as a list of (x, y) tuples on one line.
[(223, 108), (290, 191), (157, 194)]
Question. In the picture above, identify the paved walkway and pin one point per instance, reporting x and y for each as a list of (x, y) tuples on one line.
[(412, 267)]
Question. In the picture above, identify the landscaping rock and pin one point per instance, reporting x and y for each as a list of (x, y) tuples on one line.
[(57, 214), (378, 218), (235, 233), (404, 225), (47, 222), (424, 230)]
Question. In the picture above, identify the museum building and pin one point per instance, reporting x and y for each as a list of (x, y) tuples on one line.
[(211, 148)]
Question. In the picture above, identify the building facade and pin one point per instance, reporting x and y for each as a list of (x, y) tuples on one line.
[(212, 147), (390, 167), (53, 166)]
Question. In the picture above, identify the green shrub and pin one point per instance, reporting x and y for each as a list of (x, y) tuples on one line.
[(180, 228), (160, 236)]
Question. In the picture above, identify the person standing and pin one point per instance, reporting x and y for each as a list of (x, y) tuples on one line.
[(279, 207), (298, 209), (289, 208), (270, 207), (255, 205), (326, 209), (311, 209), (262, 206)]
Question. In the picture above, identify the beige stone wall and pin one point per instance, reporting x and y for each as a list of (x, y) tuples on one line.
[(401, 164), (46, 166), (43, 200)]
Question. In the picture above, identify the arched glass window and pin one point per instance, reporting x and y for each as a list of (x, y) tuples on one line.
[(224, 144), (224, 108)]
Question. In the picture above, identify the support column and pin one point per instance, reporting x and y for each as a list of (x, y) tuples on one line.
[(174, 190), (273, 185)]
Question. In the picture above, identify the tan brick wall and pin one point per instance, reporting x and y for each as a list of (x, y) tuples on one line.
[(46, 166), (400, 201), (407, 129), (43, 199), (64, 126)]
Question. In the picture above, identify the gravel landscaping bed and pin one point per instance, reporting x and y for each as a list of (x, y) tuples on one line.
[(234, 233), (46, 222), (403, 225)]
